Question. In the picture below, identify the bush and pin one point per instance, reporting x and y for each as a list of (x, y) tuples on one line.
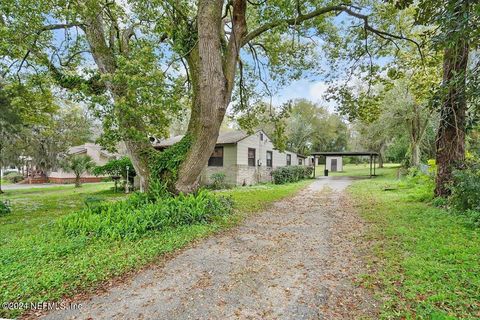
[(421, 184), (291, 174), (218, 180), (466, 189), (5, 208), (465, 192), (13, 177), (138, 215), (117, 167)]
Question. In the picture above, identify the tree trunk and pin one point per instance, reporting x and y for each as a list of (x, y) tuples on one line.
[(209, 95), (1, 162), (450, 141), (139, 162), (77, 181), (416, 153), (415, 132), (212, 76), (381, 153)]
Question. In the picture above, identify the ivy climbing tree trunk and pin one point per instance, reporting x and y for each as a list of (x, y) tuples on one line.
[(450, 141)]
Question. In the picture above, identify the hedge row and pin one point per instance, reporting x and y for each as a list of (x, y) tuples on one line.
[(291, 174)]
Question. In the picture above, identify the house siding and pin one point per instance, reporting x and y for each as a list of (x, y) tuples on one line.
[(247, 175), (235, 159), (229, 166)]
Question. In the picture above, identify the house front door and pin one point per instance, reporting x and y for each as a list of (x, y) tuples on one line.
[(333, 165)]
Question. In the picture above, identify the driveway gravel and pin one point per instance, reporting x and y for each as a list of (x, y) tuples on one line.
[(296, 260)]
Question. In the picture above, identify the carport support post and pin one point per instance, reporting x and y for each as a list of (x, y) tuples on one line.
[(370, 166), (314, 157)]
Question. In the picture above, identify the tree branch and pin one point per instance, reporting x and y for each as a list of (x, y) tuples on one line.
[(239, 29), (58, 26), (321, 11)]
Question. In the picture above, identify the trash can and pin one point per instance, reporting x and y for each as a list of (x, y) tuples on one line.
[(325, 172)]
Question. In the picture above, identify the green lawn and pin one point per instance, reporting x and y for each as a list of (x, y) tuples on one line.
[(356, 170), (424, 262), (38, 264), (34, 207)]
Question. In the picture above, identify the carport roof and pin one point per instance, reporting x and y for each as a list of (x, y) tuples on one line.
[(347, 153)]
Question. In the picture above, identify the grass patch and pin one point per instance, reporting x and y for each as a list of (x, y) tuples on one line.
[(258, 197), (424, 261), (35, 208), (357, 170), (38, 264)]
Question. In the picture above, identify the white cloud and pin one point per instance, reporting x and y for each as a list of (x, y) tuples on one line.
[(313, 91), (317, 93)]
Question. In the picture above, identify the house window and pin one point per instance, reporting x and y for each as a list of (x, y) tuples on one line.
[(300, 162), (269, 159), (289, 159), (251, 157), (261, 136), (216, 159)]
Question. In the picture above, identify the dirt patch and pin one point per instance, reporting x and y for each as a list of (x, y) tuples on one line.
[(297, 260)]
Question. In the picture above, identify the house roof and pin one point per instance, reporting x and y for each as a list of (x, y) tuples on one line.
[(83, 148), (227, 137), (346, 153)]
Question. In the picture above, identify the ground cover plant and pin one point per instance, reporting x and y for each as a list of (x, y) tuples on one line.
[(44, 257), (423, 260)]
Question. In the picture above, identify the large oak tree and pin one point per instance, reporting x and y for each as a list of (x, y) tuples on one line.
[(126, 56)]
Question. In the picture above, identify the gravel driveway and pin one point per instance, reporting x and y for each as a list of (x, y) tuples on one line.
[(296, 260)]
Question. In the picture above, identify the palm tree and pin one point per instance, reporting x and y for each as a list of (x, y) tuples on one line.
[(78, 164)]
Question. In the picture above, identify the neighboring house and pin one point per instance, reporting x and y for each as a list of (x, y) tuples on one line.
[(244, 158), (99, 156)]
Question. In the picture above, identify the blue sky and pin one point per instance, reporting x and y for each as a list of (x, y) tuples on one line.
[(306, 88)]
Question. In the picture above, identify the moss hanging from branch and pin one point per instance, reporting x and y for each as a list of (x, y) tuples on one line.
[(164, 166)]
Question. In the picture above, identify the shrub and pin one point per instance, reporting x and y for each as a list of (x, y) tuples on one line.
[(466, 188), (117, 168), (465, 192), (421, 183), (291, 174), (134, 217), (5, 207), (218, 180), (13, 177)]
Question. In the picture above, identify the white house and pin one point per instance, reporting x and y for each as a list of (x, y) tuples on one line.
[(245, 159)]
